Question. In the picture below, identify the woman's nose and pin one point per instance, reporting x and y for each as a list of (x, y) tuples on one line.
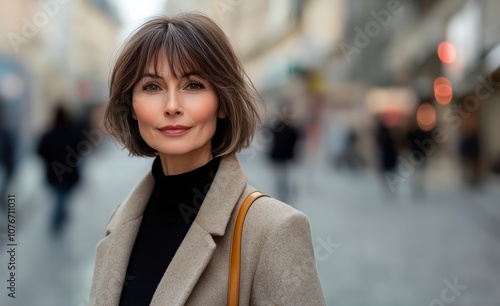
[(173, 105)]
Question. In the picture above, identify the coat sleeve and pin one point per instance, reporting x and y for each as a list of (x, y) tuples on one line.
[(286, 271)]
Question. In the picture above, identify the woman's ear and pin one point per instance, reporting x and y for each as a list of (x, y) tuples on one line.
[(221, 114)]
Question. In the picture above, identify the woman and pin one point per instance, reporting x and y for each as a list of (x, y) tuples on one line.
[(178, 93)]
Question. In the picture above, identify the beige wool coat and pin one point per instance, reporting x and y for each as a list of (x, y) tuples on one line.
[(277, 265)]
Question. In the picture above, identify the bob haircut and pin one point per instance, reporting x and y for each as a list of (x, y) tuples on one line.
[(191, 42)]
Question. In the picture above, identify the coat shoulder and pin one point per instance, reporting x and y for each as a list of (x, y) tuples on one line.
[(268, 213), (269, 205)]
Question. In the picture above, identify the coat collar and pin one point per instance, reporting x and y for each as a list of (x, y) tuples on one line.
[(196, 249), (215, 210)]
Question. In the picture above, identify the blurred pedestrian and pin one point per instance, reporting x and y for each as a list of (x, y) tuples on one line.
[(282, 154), (387, 151), (416, 139), (496, 165), (58, 148), (7, 161), (350, 156), (470, 150)]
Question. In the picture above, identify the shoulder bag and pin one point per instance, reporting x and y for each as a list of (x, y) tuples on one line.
[(235, 255)]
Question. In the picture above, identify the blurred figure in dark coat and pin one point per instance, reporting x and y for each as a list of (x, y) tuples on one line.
[(350, 156), (387, 150), (6, 159), (415, 137), (285, 136), (59, 150), (470, 151)]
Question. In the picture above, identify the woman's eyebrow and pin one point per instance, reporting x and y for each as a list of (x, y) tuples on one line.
[(188, 74), (152, 75), (157, 76)]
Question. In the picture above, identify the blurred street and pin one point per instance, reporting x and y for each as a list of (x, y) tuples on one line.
[(381, 125), (371, 249)]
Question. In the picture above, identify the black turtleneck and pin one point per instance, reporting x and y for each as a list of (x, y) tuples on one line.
[(172, 208)]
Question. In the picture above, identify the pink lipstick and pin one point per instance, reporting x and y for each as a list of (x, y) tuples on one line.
[(174, 130)]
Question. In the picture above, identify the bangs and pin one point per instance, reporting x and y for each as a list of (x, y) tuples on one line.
[(183, 55)]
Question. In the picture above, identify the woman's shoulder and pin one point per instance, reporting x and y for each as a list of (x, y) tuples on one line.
[(271, 206), (268, 212)]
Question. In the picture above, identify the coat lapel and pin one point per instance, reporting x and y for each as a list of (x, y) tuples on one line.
[(198, 246), (114, 251)]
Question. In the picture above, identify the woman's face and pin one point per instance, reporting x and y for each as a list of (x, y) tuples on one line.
[(176, 117)]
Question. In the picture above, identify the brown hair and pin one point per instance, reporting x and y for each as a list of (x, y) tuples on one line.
[(191, 42)]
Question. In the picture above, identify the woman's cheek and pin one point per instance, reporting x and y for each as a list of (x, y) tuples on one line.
[(145, 109), (207, 107)]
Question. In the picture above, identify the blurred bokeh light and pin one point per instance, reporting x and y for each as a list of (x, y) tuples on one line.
[(426, 116), (443, 91), (446, 52)]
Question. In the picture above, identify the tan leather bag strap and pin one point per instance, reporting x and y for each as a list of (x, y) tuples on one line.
[(235, 256)]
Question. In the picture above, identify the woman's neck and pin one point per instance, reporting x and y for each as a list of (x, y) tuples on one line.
[(177, 164)]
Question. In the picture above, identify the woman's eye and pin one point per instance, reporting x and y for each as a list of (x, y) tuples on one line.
[(151, 87), (195, 86)]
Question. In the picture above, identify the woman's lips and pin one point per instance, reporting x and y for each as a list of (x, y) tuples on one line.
[(176, 130)]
